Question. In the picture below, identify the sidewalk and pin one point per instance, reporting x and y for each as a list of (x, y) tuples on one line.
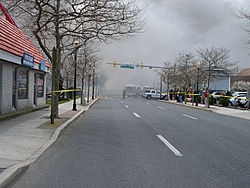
[(25, 137), (229, 111)]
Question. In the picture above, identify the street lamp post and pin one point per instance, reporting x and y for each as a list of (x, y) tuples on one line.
[(75, 43), (89, 77), (93, 86), (97, 85), (197, 83)]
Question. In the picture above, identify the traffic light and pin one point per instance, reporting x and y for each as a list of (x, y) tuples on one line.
[(114, 63), (141, 65)]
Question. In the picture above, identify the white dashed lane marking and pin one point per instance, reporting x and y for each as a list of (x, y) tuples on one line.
[(189, 116), (170, 146), (136, 115)]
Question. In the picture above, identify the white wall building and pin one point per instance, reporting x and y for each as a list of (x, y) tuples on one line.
[(22, 71)]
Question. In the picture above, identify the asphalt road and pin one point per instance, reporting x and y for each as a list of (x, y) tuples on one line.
[(146, 143)]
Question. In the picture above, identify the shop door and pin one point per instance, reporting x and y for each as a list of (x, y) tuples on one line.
[(35, 89)]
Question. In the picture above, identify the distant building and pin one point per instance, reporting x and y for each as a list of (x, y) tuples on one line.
[(225, 82), (243, 75), (222, 84), (22, 70)]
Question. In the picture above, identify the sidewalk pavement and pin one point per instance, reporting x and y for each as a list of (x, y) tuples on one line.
[(229, 111), (25, 136)]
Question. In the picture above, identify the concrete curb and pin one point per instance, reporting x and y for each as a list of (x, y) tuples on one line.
[(190, 106), (244, 114), (9, 175), (12, 173)]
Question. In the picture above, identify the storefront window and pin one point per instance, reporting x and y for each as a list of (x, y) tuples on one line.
[(22, 84), (40, 85)]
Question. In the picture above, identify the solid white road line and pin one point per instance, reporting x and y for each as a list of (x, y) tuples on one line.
[(147, 102), (170, 146), (189, 116), (126, 106), (136, 115)]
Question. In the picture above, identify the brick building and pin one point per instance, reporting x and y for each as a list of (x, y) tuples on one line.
[(22, 71), (243, 75)]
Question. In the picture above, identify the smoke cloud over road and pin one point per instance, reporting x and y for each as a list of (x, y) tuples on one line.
[(175, 26)]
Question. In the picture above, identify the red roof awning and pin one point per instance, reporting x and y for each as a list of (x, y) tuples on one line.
[(14, 41)]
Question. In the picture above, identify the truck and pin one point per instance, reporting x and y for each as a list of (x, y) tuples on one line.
[(153, 94), (133, 90)]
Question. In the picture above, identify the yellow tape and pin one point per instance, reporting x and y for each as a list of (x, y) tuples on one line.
[(224, 96), (65, 91), (174, 93), (180, 93)]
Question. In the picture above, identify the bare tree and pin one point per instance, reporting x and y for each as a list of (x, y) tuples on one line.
[(88, 65), (215, 63), (181, 72), (90, 60), (184, 70), (245, 14), (167, 73), (102, 79), (67, 71), (56, 23)]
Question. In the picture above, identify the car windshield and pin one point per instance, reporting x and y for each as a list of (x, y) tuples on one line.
[(239, 94), (242, 95)]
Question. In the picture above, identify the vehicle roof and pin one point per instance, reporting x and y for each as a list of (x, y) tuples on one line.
[(148, 90)]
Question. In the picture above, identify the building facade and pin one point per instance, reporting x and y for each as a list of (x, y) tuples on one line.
[(23, 71)]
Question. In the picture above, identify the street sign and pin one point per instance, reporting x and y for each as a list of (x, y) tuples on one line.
[(127, 67), (133, 65)]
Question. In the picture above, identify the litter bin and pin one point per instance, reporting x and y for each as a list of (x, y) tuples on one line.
[(83, 100)]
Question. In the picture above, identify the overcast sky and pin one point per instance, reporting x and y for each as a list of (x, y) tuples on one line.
[(175, 26)]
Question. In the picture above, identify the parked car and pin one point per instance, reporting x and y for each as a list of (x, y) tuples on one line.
[(237, 98), (216, 95), (246, 103), (155, 94), (242, 102)]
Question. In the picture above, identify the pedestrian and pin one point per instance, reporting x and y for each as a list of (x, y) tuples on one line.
[(227, 93), (206, 97), (177, 95), (246, 105), (171, 94), (180, 96), (123, 93)]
